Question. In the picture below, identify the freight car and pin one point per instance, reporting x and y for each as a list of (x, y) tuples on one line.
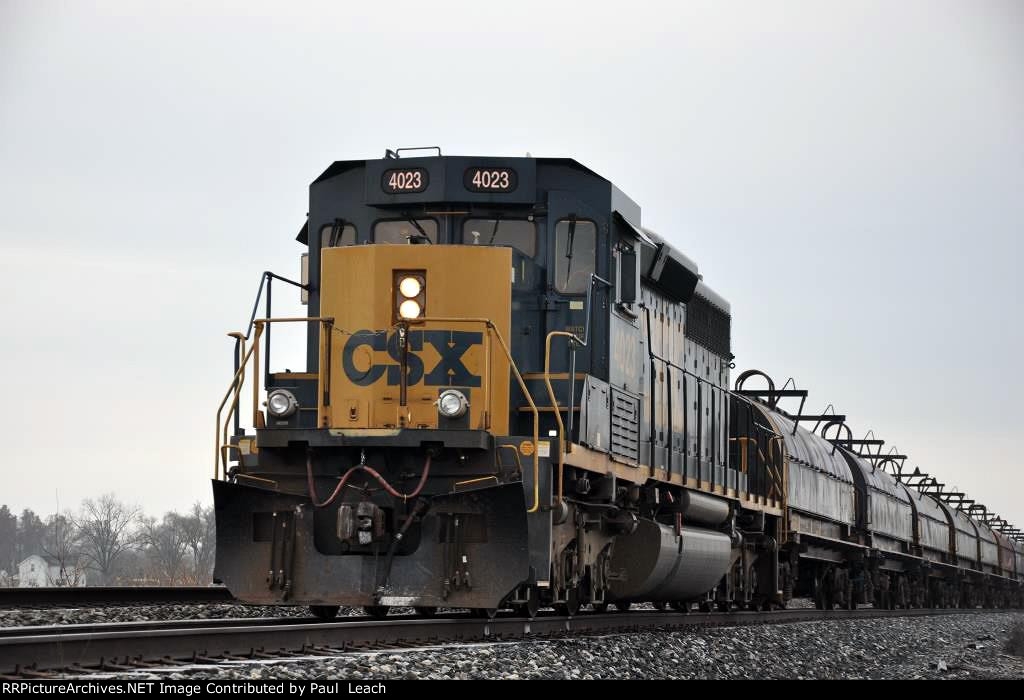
[(516, 395)]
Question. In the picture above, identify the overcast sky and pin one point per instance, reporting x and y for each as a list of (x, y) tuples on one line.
[(850, 175)]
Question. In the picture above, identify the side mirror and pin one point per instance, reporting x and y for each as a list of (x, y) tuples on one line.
[(627, 277)]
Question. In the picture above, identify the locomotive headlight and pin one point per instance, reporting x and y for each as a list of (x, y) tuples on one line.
[(409, 308), (409, 292), (410, 287), (281, 403), (452, 403)]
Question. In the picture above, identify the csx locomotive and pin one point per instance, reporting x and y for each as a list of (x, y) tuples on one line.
[(517, 396)]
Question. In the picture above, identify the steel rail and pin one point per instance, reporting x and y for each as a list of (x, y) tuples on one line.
[(67, 597), (120, 647)]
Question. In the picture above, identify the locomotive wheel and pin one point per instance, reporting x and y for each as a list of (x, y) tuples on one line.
[(622, 605), (425, 610), (378, 612), (723, 606), (706, 606), (532, 604), (599, 607), (324, 612)]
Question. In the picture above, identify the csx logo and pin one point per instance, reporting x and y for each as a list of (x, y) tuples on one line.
[(451, 346)]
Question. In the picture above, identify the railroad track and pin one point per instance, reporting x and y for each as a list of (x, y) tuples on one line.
[(45, 652), (110, 595)]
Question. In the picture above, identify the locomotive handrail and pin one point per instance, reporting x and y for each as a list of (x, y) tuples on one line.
[(563, 444), (267, 279), (236, 387), (237, 381), (594, 279), (489, 324), (554, 402), (655, 357)]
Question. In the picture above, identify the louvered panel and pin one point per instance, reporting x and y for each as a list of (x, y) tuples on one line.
[(625, 438)]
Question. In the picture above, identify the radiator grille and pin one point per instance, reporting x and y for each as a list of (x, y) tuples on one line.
[(708, 325)]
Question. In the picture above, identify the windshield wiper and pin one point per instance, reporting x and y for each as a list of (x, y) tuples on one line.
[(337, 230), (497, 222), (423, 234), (571, 238)]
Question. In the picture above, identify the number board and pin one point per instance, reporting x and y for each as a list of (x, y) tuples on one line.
[(490, 179), (403, 181)]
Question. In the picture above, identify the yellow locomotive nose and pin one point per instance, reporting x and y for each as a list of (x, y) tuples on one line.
[(410, 328)]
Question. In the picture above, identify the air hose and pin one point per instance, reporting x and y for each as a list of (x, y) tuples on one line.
[(369, 470)]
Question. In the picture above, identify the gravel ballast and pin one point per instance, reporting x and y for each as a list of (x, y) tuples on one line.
[(75, 616), (948, 646)]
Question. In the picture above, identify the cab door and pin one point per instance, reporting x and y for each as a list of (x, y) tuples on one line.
[(577, 245)]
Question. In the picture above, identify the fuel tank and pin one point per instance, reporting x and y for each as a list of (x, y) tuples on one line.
[(653, 564)]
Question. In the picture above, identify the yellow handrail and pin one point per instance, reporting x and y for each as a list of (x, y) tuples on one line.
[(554, 402), (220, 455), (235, 387), (522, 385)]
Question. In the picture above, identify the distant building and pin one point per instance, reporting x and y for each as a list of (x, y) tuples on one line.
[(41, 570)]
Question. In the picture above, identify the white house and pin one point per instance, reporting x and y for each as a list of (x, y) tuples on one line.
[(38, 570)]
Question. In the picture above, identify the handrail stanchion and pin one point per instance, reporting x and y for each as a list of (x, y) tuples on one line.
[(554, 402), (237, 382), (256, 372), (522, 385)]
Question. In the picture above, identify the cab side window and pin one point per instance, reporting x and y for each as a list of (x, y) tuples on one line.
[(337, 234), (575, 255), (517, 233)]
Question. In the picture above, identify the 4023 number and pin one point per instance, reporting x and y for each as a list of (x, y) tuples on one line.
[(405, 181), (490, 179)]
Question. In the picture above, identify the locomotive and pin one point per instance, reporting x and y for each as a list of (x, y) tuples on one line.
[(516, 395)]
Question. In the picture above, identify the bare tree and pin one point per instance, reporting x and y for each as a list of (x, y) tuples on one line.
[(61, 544), (105, 532), (197, 530), (165, 547)]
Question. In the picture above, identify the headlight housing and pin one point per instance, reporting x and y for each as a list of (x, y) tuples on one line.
[(452, 403), (410, 295), (281, 403)]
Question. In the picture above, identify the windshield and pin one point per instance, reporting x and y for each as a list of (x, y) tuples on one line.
[(333, 235), (399, 231), (517, 233)]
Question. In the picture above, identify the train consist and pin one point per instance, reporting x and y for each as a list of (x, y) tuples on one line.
[(517, 396)]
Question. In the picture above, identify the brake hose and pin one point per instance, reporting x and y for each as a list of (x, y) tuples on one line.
[(369, 470)]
